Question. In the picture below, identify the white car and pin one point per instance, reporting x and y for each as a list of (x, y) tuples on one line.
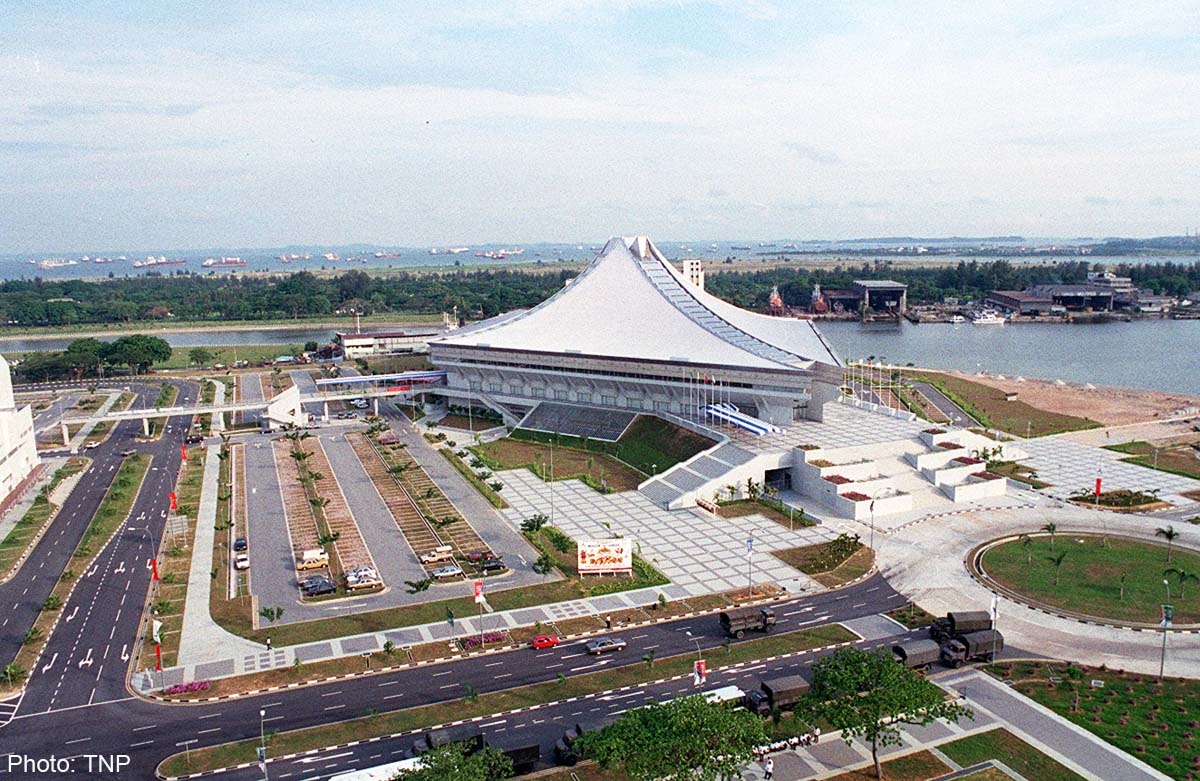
[(452, 571), (241, 562)]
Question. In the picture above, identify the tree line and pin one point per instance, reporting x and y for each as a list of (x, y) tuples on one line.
[(91, 357), (485, 293)]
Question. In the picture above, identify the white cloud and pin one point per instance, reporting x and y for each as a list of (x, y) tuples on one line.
[(949, 123)]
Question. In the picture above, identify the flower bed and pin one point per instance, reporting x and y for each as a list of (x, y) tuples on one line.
[(188, 688), (820, 463), (968, 460), (473, 641), (935, 431), (837, 479), (949, 445), (809, 447), (987, 476), (855, 496)]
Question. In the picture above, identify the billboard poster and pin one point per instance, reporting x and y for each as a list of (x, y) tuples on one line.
[(603, 556)]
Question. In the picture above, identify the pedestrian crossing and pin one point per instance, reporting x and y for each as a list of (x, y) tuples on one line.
[(8, 709)]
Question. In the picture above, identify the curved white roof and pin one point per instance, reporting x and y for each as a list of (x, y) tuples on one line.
[(632, 303)]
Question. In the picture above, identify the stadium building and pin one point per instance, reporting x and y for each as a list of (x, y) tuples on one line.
[(633, 334)]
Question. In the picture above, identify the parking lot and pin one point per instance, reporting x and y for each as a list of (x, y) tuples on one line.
[(280, 526)]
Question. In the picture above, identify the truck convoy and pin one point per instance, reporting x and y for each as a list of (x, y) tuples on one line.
[(736, 622), (776, 693), (959, 623), (984, 644)]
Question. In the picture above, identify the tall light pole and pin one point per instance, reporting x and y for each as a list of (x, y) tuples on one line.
[(750, 566), (262, 740), (1166, 626)]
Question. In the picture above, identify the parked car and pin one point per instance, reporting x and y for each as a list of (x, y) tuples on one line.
[(127, 453), (451, 571), (602, 645), (317, 586), (193, 439), (240, 544), (477, 556), (545, 641), (440, 553), (92, 445), (492, 566), (241, 562)]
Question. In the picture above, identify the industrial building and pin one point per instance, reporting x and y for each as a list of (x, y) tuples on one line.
[(363, 345)]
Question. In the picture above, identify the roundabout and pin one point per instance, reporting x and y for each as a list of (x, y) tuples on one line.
[(1105, 579)]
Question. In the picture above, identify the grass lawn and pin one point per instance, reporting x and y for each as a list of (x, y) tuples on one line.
[(989, 407), (650, 444), (213, 757), (912, 616), (391, 364), (256, 354), (467, 423), (830, 563), (116, 504), (918, 766), (24, 530), (743, 507), (1008, 748), (1017, 471), (569, 463), (493, 497), (652, 440), (1157, 723), (1090, 577), (1176, 459)]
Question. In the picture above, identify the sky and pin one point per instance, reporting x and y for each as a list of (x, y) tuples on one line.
[(198, 124)]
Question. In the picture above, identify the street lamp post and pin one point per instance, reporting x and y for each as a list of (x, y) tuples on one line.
[(1166, 625), (262, 740)]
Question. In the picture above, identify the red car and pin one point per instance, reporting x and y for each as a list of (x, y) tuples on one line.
[(544, 641)]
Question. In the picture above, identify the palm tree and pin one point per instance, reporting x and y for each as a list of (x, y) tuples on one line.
[(1027, 544), (1057, 561), (1169, 534), (1183, 576), (415, 586), (1050, 529)]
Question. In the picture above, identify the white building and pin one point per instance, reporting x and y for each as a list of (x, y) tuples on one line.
[(18, 449), (633, 333)]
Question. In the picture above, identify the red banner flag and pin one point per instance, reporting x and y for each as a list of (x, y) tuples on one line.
[(174, 502), (158, 657), (1097, 486), (183, 451), (154, 567)]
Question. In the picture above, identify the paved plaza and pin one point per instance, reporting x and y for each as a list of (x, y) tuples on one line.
[(698, 552), (1072, 468), (844, 426)]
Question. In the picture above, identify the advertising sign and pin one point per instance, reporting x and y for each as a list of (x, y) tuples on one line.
[(699, 672), (603, 556), (479, 591)]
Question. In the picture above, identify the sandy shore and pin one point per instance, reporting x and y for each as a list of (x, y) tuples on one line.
[(1111, 406)]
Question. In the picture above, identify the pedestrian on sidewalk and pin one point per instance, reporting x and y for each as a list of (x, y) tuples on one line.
[(769, 769), (608, 622), (268, 644)]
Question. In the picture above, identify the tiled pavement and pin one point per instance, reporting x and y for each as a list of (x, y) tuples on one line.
[(1071, 468), (699, 553)]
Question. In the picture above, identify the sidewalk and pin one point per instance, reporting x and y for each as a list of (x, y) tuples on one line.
[(203, 640), (214, 653), (995, 706)]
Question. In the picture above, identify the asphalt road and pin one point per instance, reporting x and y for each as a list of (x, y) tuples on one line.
[(115, 723), (957, 415)]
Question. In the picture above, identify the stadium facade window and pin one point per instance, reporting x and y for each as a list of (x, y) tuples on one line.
[(608, 401), (493, 387), (585, 396), (560, 395), (537, 392)]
